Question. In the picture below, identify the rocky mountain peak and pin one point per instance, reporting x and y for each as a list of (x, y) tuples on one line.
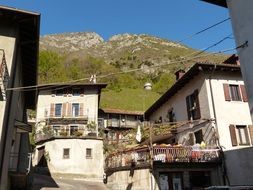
[(70, 42)]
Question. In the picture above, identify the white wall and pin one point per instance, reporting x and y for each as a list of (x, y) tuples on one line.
[(77, 163), (178, 101), (139, 180), (241, 18), (228, 112), (90, 101)]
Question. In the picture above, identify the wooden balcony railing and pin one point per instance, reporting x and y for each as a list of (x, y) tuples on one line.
[(165, 154), (137, 157)]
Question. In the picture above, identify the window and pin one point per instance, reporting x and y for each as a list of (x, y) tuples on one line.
[(59, 92), (239, 135), (56, 130), (58, 110), (75, 109), (235, 92), (171, 115), (192, 104), (73, 130), (76, 92), (198, 136), (200, 179), (66, 153), (88, 153)]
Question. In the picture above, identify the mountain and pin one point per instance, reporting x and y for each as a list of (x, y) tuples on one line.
[(68, 56)]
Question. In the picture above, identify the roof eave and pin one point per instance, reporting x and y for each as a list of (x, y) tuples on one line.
[(221, 3)]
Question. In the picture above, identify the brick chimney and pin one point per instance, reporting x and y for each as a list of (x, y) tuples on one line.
[(179, 74)]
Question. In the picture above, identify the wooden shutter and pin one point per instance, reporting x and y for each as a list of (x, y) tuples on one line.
[(64, 107), (52, 110), (226, 92), (81, 109), (244, 95), (233, 135), (69, 113), (197, 111), (188, 107), (251, 133)]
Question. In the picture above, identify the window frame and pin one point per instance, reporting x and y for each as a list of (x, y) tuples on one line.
[(236, 132), (73, 129), (66, 156), (239, 134), (75, 109), (56, 110), (88, 156), (192, 106), (235, 92), (58, 129)]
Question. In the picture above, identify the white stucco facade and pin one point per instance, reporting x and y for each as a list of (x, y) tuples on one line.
[(217, 116), (241, 18), (64, 135), (78, 162)]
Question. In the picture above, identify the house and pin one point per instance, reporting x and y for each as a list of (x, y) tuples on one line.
[(116, 123), (19, 40), (67, 139), (208, 120), (240, 13)]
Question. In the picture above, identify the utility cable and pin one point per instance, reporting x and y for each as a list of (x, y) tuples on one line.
[(72, 82), (203, 30)]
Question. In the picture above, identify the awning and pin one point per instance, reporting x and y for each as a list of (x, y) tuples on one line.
[(23, 127)]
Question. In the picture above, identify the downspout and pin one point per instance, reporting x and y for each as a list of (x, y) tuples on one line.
[(225, 176)]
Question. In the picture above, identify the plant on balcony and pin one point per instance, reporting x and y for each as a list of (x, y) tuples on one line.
[(78, 133), (91, 126), (63, 133), (47, 130)]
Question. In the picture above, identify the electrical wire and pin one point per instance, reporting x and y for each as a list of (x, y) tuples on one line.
[(203, 30), (72, 82)]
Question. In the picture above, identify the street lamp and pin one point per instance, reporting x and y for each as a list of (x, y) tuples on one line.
[(147, 86)]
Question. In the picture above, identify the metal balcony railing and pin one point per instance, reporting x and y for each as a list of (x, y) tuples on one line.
[(165, 154)]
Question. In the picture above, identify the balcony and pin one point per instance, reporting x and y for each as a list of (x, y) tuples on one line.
[(122, 123), (40, 137), (67, 120), (141, 157)]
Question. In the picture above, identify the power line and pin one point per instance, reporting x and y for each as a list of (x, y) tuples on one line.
[(203, 30), (72, 82)]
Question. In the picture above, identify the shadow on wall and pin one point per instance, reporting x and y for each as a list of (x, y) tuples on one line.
[(129, 186), (42, 177)]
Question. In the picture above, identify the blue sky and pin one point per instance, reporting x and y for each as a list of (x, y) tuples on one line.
[(170, 19)]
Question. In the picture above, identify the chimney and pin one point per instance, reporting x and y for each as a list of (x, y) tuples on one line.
[(233, 60), (179, 74)]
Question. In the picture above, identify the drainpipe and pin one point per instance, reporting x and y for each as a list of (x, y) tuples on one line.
[(225, 177)]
